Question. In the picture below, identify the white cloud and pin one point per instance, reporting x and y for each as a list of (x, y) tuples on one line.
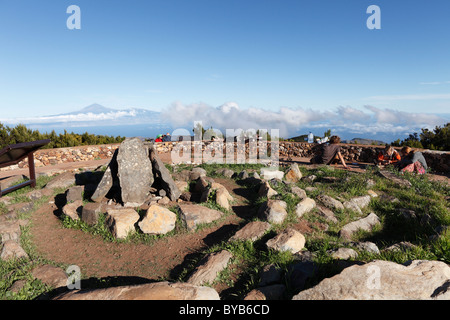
[(431, 96)]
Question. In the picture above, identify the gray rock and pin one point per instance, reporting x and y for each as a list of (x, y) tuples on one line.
[(194, 215), (108, 179), (91, 212), (289, 240), (384, 280), (330, 202), (12, 250), (149, 291), (304, 206), (365, 224), (164, 176), (251, 231), (209, 267), (327, 214), (64, 180), (343, 253), (134, 171), (74, 193), (299, 192), (196, 173), (273, 211)]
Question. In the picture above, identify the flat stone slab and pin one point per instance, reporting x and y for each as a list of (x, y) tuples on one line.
[(251, 231), (194, 215), (209, 267), (365, 224), (150, 291)]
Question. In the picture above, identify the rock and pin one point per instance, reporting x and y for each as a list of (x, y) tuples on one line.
[(196, 173), (134, 171), (289, 240), (121, 221), (74, 193), (163, 176), (182, 185), (384, 280), (91, 212), (365, 224), (12, 250), (367, 246), (372, 193), (266, 190), (270, 274), (404, 245), (251, 231), (268, 174), (39, 193), (352, 206), (73, 209), (64, 180), (150, 291), (293, 174), (158, 220), (193, 215), (201, 185), (10, 230), (304, 206), (343, 253), (273, 211), (397, 180), (228, 173), (361, 202), (243, 174), (50, 275), (223, 198), (209, 267), (273, 292), (299, 192), (407, 213), (107, 181), (327, 214), (330, 202)]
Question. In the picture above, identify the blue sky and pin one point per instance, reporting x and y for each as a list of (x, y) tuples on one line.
[(313, 56)]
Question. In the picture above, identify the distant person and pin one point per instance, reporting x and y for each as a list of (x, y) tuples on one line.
[(412, 161), (158, 138), (388, 156), (167, 137), (330, 153)]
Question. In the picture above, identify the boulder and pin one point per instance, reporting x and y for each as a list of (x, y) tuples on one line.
[(304, 206), (10, 230), (289, 240), (293, 174), (158, 220), (299, 192), (194, 215), (272, 292), (134, 171), (209, 267), (64, 180), (327, 214), (50, 275), (273, 211), (149, 291), (121, 221), (251, 231), (365, 224), (74, 193), (196, 173), (384, 280), (343, 253)]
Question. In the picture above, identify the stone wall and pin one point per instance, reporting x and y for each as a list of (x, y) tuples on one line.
[(439, 161)]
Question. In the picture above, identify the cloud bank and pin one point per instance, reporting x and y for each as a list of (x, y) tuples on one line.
[(371, 121)]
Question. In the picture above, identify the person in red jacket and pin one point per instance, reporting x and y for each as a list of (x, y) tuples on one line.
[(158, 138), (388, 156)]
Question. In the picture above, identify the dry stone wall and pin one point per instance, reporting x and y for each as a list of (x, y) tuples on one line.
[(437, 160)]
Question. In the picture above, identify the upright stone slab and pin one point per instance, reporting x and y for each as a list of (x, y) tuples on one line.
[(166, 180), (134, 171), (108, 179)]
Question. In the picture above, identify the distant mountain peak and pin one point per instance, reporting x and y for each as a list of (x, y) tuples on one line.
[(96, 109)]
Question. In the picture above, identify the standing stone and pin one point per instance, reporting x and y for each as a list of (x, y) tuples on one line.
[(121, 221), (164, 176), (289, 240), (273, 211), (209, 267), (108, 180), (158, 220), (134, 171), (294, 174)]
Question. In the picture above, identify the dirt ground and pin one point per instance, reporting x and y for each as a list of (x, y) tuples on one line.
[(163, 259)]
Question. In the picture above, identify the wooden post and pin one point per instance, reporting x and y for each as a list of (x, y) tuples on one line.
[(32, 169)]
